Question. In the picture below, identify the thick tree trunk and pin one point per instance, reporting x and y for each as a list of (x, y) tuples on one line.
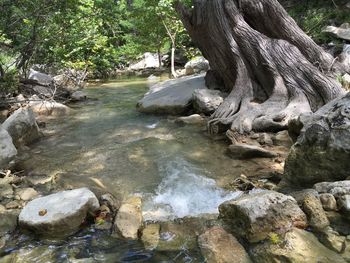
[(173, 72), (273, 70)]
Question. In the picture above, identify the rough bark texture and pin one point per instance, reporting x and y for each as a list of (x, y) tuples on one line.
[(271, 68)]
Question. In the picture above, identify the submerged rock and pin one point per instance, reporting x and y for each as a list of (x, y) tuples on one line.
[(129, 219), (22, 126), (218, 246), (192, 119), (207, 101), (150, 236), (8, 150), (172, 96), (254, 216), (246, 151), (297, 246), (58, 214), (322, 151)]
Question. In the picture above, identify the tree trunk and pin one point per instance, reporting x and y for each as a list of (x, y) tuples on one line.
[(273, 70), (173, 72)]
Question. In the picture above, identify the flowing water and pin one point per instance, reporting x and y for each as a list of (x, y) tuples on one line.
[(106, 144)]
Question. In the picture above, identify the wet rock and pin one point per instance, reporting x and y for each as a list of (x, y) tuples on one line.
[(254, 216), (78, 96), (26, 194), (317, 217), (344, 203), (129, 219), (332, 240), (328, 202), (197, 65), (150, 236), (38, 179), (8, 221), (324, 141), (22, 126), (246, 151), (172, 96), (49, 108), (206, 101), (58, 214), (282, 138), (192, 119), (297, 246), (218, 246), (8, 150), (342, 32)]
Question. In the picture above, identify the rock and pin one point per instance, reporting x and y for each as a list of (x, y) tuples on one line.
[(300, 196), (78, 96), (27, 194), (197, 65), (335, 188), (110, 201), (282, 139), (297, 246), (246, 151), (6, 191), (324, 141), (2, 208), (8, 150), (49, 108), (317, 218), (172, 96), (344, 58), (214, 81), (342, 32), (150, 236), (344, 203), (58, 214), (255, 216), (295, 125), (207, 101), (218, 246), (192, 119), (332, 240), (328, 202), (41, 78), (8, 221), (149, 60), (13, 205), (265, 139), (129, 219), (22, 126)]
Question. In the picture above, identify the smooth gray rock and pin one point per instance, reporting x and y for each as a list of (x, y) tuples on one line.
[(335, 188), (207, 101), (22, 127), (8, 150), (41, 78), (197, 65), (255, 216), (58, 214), (172, 96), (322, 151), (328, 202), (246, 151)]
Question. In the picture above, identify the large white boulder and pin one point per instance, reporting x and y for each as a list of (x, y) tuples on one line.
[(59, 214), (22, 126), (7, 149), (172, 96), (149, 60)]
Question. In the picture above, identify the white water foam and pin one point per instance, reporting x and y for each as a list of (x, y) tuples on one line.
[(184, 191)]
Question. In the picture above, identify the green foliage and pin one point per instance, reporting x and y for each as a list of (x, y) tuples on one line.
[(313, 15), (274, 238)]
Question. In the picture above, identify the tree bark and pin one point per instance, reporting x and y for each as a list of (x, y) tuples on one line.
[(273, 70)]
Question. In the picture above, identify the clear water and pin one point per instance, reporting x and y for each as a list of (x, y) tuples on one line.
[(107, 145)]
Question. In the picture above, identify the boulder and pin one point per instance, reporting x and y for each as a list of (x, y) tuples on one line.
[(78, 96), (246, 151), (218, 246), (41, 78), (300, 196), (197, 65), (8, 221), (59, 214), (328, 202), (49, 108), (342, 32), (255, 216), (207, 101), (172, 96), (149, 60), (317, 217), (129, 219), (8, 150), (332, 240), (297, 246), (324, 141), (22, 127), (335, 188)]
